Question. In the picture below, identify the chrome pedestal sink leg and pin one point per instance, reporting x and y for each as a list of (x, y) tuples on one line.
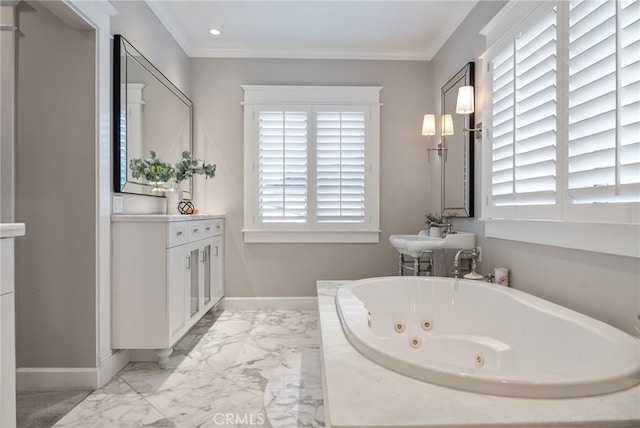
[(401, 264), (416, 266)]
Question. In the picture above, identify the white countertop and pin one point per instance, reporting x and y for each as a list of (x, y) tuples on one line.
[(164, 217), (11, 230)]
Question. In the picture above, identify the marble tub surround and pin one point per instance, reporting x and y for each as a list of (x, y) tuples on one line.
[(293, 396), (360, 393), (216, 376)]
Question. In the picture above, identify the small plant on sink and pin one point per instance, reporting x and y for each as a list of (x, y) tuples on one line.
[(435, 220), (435, 223)]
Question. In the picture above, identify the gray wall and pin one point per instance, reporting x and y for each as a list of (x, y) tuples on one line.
[(55, 192), (603, 286), (292, 269), (138, 24)]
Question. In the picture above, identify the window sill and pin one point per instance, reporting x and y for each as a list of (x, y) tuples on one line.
[(618, 239), (299, 236)]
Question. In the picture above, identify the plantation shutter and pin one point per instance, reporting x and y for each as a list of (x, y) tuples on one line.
[(524, 114), (503, 90), (340, 154), (604, 101), (282, 175), (536, 113)]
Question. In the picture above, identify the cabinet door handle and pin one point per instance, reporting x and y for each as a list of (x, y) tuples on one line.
[(195, 230), (208, 228), (179, 233), (187, 263), (218, 226), (204, 257), (215, 251)]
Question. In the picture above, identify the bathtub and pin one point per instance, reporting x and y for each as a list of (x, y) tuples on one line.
[(485, 338)]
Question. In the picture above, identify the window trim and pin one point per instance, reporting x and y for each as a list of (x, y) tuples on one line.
[(257, 97)]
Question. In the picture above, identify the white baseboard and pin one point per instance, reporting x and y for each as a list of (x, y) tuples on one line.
[(111, 365), (57, 378), (254, 303)]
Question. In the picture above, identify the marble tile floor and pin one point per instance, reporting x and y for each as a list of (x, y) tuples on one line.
[(233, 369)]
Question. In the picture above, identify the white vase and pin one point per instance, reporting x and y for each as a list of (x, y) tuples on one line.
[(174, 196), (435, 231)]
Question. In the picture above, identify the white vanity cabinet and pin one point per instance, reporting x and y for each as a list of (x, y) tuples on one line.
[(167, 272), (8, 232)]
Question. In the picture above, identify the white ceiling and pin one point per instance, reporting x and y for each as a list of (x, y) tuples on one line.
[(343, 29)]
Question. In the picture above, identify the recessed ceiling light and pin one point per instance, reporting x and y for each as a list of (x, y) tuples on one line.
[(215, 31)]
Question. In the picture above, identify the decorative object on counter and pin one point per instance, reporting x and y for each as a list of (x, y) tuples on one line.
[(473, 274), (436, 222), (158, 172), (174, 197), (502, 276), (186, 207)]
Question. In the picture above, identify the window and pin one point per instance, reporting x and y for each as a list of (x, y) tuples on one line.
[(565, 113), (311, 164)]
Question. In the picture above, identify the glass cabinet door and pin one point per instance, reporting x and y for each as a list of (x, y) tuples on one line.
[(194, 285), (206, 264)]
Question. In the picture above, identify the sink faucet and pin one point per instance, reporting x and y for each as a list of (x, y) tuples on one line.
[(448, 228), (456, 261)]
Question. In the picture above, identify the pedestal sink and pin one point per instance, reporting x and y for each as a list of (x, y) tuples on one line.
[(415, 245)]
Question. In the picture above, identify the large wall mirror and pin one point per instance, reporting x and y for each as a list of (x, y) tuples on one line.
[(149, 113), (457, 165)]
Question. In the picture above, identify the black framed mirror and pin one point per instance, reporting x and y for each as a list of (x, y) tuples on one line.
[(457, 165), (149, 113)]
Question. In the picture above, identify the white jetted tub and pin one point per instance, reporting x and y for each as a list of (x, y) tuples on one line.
[(485, 338)]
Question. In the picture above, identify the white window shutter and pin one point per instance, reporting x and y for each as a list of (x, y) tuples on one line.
[(536, 113), (503, 92), (282, 170), (340, 154), (524, 117), (629, 100), (604, 102)]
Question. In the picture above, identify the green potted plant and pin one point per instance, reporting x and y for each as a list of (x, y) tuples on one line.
[(187, 167), (157, 173)]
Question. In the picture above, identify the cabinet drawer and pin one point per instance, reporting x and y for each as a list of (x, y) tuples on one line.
[(177, 234), (212, 228), (197, 230)]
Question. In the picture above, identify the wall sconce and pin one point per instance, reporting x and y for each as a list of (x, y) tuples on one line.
[(447, 124), (429, 129), (466, 105)]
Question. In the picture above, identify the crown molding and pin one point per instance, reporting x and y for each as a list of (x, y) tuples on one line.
[(463, 12), (185, 42), (310, 54)]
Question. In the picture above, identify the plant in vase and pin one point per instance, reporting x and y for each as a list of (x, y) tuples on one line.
[(436, 222), (186, 168), (158, 173)]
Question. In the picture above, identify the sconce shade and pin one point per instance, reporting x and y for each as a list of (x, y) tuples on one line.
[(447, 124), (465, 104), (429, 124)]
